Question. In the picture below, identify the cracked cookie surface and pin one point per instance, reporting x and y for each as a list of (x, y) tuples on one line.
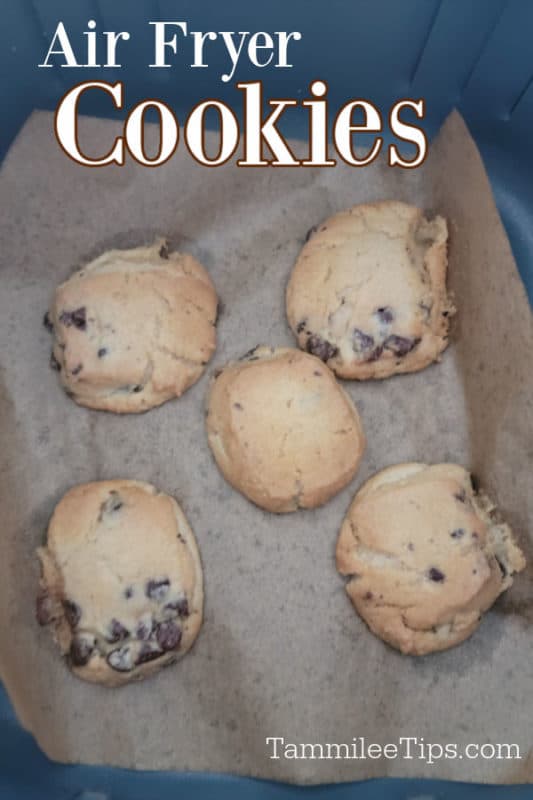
[(133, 329), (282, 430), (367, 294), (425, 556), (121, 581)]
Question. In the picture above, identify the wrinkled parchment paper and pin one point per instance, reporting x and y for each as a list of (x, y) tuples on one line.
[(281, 652)]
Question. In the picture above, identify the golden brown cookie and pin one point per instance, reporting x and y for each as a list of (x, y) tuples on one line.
[(425, 555), (367, 294), (133, 328), (121, 581), (282, 430)]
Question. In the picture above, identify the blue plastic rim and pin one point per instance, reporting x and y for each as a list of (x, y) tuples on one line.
[(472, 54)]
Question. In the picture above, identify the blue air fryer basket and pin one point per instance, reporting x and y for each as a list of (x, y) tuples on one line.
[(476, 55)]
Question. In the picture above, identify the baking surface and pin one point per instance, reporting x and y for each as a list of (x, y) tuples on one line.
[(281, 652)]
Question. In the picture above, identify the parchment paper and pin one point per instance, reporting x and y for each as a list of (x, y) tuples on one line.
[(281, 652)]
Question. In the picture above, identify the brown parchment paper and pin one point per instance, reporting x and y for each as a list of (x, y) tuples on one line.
[(281, 652)]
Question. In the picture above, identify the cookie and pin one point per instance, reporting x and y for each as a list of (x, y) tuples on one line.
[(425, 555), (282, 430), (133, 328), (121, 581), (367, 294)]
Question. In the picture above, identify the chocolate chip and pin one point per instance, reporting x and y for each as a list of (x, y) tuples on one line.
[(117, 631), (400, 345), (436, 575), (168, 635), (121, 659), (375, 354), (157, 589), (47, 322), (77, 369), (144, 629), (78, 318), (163, 251), (461, 496), (301, 326), (317, 373), (128, 592), (384, 314), (312, 230), (368, 596), (81, 650), (321, 348), (148, 651), (238, 406), (458, 533), (102, 352), (410, 547), (138, 388), (43, 608), (181, 606), (361, 342), (54, 363), (72, 613)]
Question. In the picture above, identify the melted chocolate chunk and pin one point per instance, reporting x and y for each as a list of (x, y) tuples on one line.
[(436, 575), (121, 659), (72, 613), (81, 650), (321, 348), (43, 608), (400, 345), (168, 635), (148, 651), (181, 606), (157, 589), (458, 533), (375, 354), (384, 314), (102, 352), (78, 318), (362, 342), (117, 631), (54, 363), (47, 322)]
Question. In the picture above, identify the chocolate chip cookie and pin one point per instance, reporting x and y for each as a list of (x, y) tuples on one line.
[(121, 581), (282, 430), (133, 328), (425, 555), (367, 294)]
